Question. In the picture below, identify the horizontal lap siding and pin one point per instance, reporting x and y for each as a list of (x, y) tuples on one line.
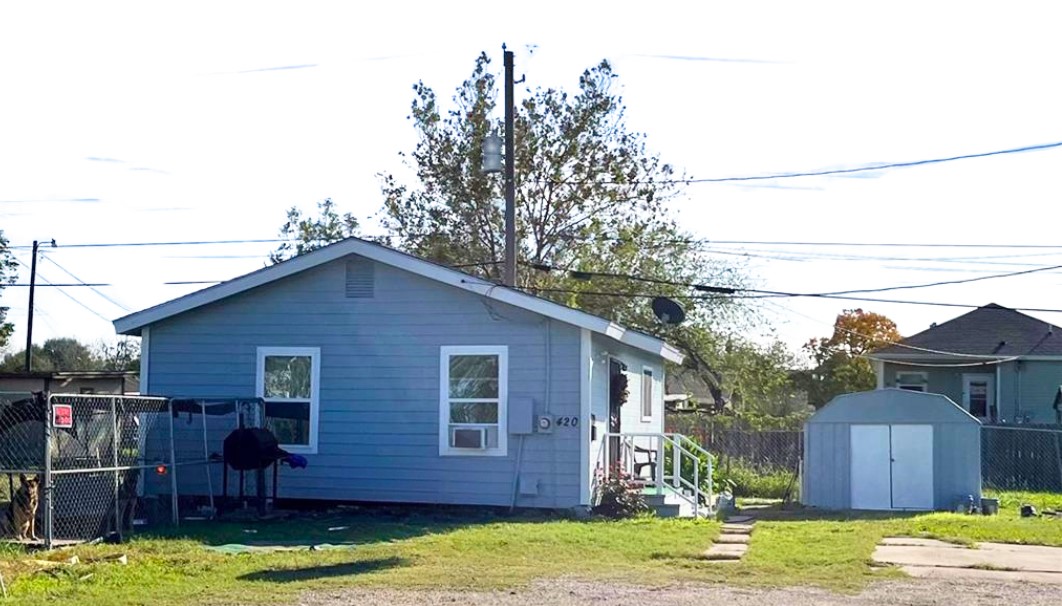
[(379, 389)]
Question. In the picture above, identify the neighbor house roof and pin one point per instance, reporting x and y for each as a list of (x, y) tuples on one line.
[(990, 331), (131, 324)]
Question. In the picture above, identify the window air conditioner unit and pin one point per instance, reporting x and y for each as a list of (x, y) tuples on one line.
[(471, 438)]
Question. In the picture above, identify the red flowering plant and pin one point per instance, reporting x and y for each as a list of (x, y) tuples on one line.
[(619, 495)]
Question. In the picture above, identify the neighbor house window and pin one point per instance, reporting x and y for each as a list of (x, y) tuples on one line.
[(473, 390), (288, 381), (912, 381), (647, 394)]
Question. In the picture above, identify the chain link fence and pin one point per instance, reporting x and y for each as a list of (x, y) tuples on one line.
[(1021, 458), (21, 447), (760, 463), (98, 459), (750, 462), (87, 466)]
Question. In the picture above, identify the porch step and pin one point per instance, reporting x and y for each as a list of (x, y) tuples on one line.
[(667, 510)]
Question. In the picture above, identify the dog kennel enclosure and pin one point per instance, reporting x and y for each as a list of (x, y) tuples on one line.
[(109, 463)]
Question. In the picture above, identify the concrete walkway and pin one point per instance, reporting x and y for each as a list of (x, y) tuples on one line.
[(733, 541), (929, 558)]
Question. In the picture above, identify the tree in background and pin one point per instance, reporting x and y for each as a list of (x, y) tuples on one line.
[(590, 198), (305, 234), (65, 353), (8, 273), (839, 365)]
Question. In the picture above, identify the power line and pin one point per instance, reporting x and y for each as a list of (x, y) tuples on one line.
[(179, 243), (869, 244), (726, 290), (946, 282), (826, 172), (95, 290), (986, 359), (61, 291)]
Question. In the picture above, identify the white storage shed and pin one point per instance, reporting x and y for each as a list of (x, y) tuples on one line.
[(891, 449)]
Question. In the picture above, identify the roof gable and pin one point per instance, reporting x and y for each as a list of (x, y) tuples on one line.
[(891, 405), (991, 331), (133, 323)]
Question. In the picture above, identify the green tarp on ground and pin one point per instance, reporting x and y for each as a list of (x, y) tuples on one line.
[(237, 548)]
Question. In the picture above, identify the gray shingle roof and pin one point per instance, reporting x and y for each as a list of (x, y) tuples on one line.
[(992, 330)]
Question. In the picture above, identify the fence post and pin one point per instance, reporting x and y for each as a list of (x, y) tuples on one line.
[(173, 468), (1058, 457), (49, 518), (115, 445)]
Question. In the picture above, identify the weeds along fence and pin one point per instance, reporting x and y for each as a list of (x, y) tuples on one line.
[(107, 463), (755, 462), (1014, 457)]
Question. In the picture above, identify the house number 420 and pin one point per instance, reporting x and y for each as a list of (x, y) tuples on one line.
[(567, 421)]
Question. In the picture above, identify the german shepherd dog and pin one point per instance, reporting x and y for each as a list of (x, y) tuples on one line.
[(21, 517)]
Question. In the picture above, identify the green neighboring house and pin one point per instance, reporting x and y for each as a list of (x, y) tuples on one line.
[(1001, 365)]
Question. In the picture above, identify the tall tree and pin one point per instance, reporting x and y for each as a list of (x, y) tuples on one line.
[(839, 365), (589, 196), (8, 273), (305, 234)]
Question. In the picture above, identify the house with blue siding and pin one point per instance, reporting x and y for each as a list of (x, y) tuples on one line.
[(998, 364), (401, 380)]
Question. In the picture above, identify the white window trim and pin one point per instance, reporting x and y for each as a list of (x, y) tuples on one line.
[(314, 354), (652, 393), (924, 384), (445, 352)]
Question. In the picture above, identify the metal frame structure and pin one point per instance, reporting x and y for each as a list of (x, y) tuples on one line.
[(99, 458)]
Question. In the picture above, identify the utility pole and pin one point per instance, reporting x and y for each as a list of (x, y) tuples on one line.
[(29, 323), (510, 176)]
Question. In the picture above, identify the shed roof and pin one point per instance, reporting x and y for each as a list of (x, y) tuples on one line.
[(133, 323), (892, 406), (991, 331)]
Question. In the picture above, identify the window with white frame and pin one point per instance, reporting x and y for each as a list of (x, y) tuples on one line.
[(647, 394), (912, 381), (472, 406), (288, 380)]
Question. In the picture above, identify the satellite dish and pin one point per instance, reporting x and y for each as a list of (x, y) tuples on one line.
[(668, 311)]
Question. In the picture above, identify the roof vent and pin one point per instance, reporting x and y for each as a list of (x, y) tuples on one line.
[(361, 278)]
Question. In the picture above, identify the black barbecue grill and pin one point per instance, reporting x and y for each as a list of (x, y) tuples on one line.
[(252, 449)]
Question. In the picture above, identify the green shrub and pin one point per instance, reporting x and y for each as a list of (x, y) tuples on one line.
[(619, 497), (748, 481), (701, 462)]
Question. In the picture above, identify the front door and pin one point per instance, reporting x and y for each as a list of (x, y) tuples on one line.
[(616, 396), (979, 395)]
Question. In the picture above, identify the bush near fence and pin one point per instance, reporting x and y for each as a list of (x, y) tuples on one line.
[(755, 457)]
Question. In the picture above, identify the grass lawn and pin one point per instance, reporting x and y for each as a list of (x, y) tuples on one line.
[(411, 550)]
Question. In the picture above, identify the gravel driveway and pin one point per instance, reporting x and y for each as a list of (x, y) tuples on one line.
[(568, 592)]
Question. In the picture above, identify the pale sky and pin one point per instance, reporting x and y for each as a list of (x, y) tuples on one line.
[(189, 121)]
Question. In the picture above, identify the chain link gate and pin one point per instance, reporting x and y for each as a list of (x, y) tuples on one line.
[(21, 453)]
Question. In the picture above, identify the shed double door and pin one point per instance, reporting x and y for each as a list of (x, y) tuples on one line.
[(892, 466)]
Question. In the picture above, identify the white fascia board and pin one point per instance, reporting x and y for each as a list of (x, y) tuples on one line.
[(132, 323)]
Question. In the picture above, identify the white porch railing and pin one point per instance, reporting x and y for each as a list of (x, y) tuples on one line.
[(633, 453)]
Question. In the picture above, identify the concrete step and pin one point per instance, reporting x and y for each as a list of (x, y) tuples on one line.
[(725, 551), (736, 529), (656, 499), (667, 510), (737, 539)]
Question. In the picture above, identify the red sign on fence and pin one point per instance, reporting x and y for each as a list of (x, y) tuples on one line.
[(62, 416)]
